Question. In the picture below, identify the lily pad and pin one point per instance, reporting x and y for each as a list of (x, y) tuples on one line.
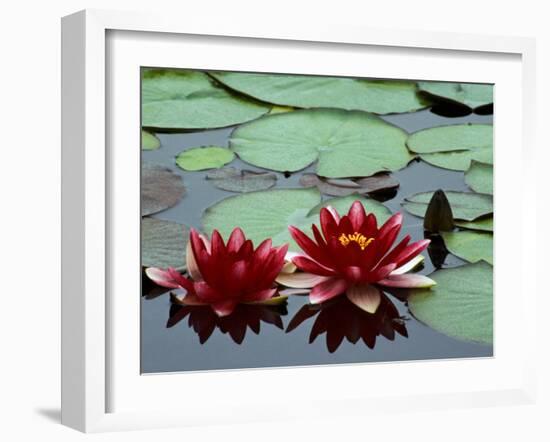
[(377, 96), (163, 244), (480, 177), (177, 99), (267, 214), (149, 141), (460, 305), (484, 224), (468, 94), (454, 147), (465, 206), (243, 181), (160, 188), (344, 143), (345, 187), (469, 245), (202, 158)]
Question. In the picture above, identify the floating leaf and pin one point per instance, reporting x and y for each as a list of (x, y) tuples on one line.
[(267, 214), (175, 99), (201, 158), (377, 96), (344, 143), (454, 147), (468, 94), (163, 244), (345, 187), (460, 305), (160, 188), (149, 141), (480, 177), (485, 224), (243, 181), (469, 245), (439, 215), (465, 206)]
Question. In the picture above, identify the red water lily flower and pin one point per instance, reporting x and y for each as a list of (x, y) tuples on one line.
[(351, 255), (224, 275)]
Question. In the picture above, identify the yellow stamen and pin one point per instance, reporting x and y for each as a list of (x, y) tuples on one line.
[(359, 238)]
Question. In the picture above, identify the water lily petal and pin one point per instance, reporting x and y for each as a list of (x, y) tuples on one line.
[(334, 213), (357, 215), (310, 266), (192, 266), (408, 266), (168, 278), (365, 296), (411, 251), (188, 299), (224, 308), (327, 290), (329, 225), (300, 279), (407, 281), (395, 220), (381, 272), (260, 296), (235, 241), (308, 246)]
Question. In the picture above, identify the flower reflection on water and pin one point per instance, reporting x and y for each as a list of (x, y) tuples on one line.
[(340, 318)]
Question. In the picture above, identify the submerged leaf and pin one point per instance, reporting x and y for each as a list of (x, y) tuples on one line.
[(149, 141), (345, 187), (454, 147), (178, 99), (234, 180), (469, 245), (304, 91), (480, 177), (163, 244), (344, 143), (465, 206), (439, 215), (201, 158), (160, 188), (460, 305)]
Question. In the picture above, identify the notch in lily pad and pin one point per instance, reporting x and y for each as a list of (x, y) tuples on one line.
[(439, 215)]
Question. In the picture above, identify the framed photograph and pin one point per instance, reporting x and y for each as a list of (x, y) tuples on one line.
[(298, 220)]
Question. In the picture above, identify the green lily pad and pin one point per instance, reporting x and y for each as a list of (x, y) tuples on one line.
[(465, 206), (484, 224), (303, 91), (163, 243), (202, 158), (468, 94), (460, 305), (267, 214), (480, 177), (149, 141), (344, 143), (176, 99), (469, 245), (454, 147), (244, 181), (160, 188)]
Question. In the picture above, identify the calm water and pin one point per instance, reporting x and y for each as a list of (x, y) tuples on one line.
[(171, 337)]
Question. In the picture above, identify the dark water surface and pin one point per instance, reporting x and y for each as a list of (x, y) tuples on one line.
[(178, 347)]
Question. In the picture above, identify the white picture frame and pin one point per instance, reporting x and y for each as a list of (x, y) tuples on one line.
[(95, 327)]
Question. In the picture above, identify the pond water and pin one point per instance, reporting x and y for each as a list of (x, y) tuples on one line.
[(170, 344)]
